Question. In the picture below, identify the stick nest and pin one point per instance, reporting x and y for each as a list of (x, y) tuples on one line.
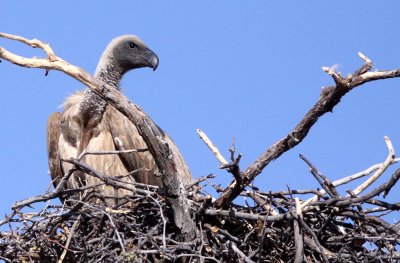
[(268, 227)]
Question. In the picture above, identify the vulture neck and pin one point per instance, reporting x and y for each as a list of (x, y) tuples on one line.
[(92, 106), (108, 71)]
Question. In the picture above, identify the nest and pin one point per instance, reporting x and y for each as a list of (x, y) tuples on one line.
[(272, 227)]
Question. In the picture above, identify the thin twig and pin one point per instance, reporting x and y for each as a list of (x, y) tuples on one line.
[(298, 234), (240, 253), (212, 147), (163, 220), (325, 183), (110, 152), (391, 156), (71, 233)]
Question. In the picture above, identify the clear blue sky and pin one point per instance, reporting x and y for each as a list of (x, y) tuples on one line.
[(245, 70)]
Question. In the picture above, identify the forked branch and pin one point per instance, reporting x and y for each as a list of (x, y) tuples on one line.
[(329, 98)]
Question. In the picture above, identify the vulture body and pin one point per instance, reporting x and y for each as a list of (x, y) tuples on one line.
[(89, 124)]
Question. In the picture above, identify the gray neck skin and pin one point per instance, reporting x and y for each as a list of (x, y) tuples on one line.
[(93, 106)]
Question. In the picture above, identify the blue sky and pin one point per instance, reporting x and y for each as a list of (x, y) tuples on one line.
[(249, 71)]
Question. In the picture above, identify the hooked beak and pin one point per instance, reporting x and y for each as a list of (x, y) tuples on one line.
[(151, 58)]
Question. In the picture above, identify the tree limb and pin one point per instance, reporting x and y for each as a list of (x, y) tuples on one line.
[(329, 98)]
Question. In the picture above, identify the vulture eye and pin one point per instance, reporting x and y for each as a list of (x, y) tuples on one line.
[(132, 45)]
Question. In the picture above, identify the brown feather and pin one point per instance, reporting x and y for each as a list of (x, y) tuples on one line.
[(114, 132), (53, 133)]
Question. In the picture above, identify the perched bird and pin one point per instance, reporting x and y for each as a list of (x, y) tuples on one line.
[(89, 124)]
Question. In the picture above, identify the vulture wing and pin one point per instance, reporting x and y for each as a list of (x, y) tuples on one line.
[(53, 134), (114, 132), (126, 137), (63, 135)]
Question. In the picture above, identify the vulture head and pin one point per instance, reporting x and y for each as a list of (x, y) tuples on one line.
[(123, 54)]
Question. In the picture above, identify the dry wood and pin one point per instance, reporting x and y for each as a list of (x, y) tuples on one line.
[(329, 98), (212, 147), (298, 234), (380, 171), (146, 232)]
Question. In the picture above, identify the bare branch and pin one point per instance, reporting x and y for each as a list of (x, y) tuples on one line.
[(348, 179), (327, 101), (84, 153), (212, 147), (40, 198), (298, 235), (240, 253), (380, 171), (71, 233), (325, 183)]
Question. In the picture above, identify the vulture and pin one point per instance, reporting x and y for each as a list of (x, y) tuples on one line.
[(89, 124)]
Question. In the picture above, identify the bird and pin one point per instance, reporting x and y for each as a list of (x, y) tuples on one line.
[(89, 124)]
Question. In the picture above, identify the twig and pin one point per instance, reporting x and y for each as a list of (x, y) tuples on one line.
[(110, 152), (201, 241), (35, 43), (199, 256), (315, 238), (392, 181), (348, 179), (380, 171), (212, 147), (240, 253), (81, 166), (335, 75), (54, 194), (386, 205), (366, 67), (8, 218), (204, 206), (71, 233), (5, 259), (325, 183), (298, 235), (262, 202), (121, 243), (163, 220), (246, 215)]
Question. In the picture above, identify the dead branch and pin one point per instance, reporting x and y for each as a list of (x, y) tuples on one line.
[(212, 147), (325, 183), (329, 98), (380, 171), (84, 153), (298, 235), (54, 194), (379, 168)]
